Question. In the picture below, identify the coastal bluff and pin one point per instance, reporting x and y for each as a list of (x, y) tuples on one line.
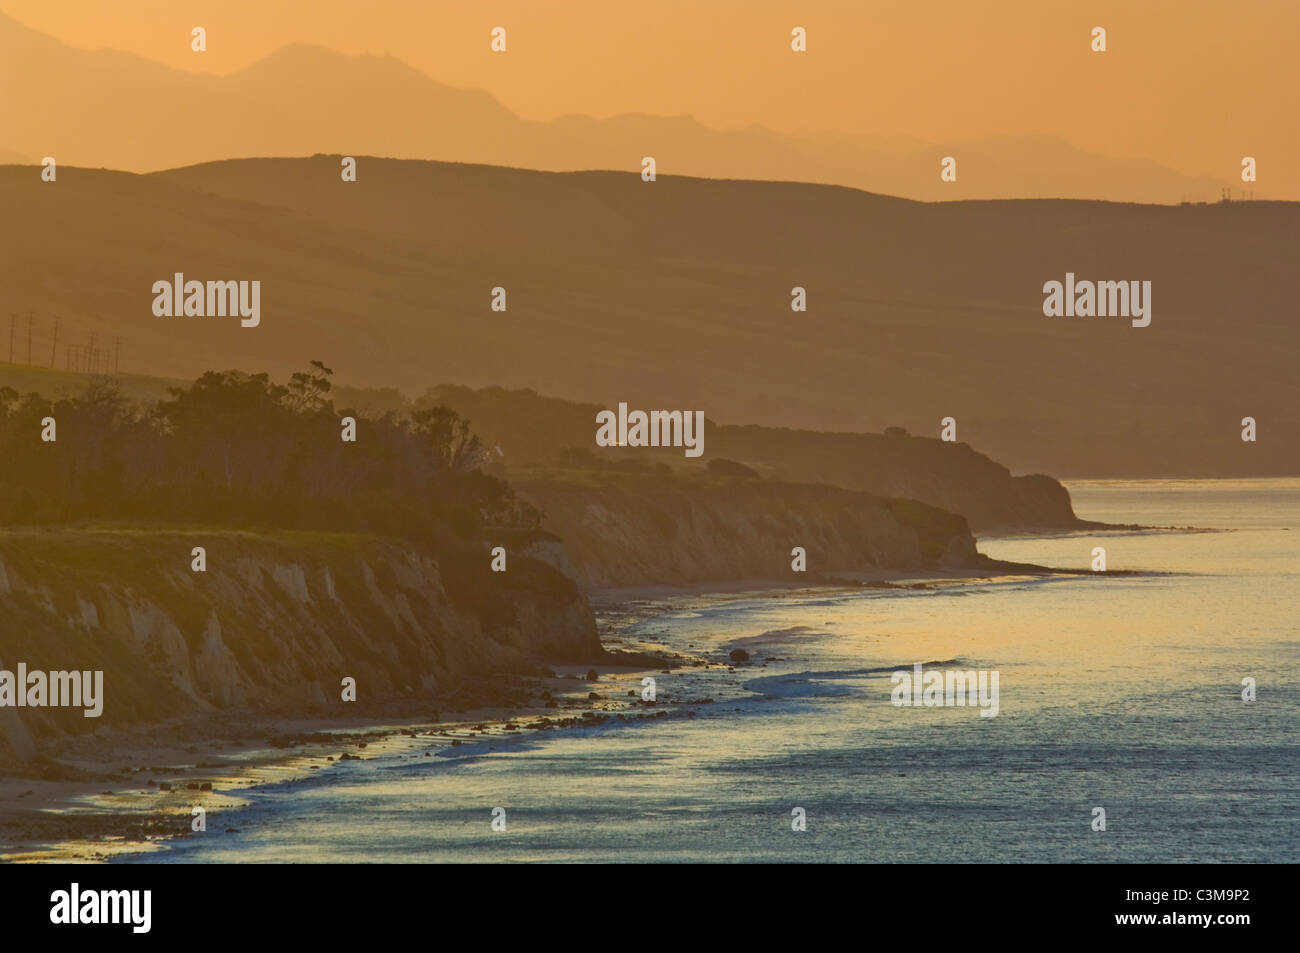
[(536, 430), (273, 625), (629, 528)]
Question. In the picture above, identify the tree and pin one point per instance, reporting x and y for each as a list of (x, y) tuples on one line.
[(307, 389)]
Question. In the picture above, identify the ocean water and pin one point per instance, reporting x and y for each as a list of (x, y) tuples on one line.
[(1119, 692)]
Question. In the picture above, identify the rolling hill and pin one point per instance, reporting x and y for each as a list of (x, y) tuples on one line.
[(676, 294)]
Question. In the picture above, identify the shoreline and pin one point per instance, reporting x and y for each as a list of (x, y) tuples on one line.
[(609, 597), (129, 790), (159, 772), (1094, 529)]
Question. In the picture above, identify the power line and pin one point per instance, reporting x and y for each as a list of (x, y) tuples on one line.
[(88, 358)]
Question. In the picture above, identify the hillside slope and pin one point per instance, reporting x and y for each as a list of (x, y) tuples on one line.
[(529, 429), (676, 294)]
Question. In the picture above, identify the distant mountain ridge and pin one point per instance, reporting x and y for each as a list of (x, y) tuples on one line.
[(104, 108)]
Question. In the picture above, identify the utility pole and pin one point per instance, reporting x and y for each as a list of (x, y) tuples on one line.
[(90, 364), (54, 348), (29, 339), (12, 318), (117, 350)]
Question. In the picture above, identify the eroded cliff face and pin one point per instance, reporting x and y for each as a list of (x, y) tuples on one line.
[(278, 620), (630, 529), (274, 624)]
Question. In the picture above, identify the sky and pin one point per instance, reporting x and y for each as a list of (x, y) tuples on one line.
[(1191, 84)]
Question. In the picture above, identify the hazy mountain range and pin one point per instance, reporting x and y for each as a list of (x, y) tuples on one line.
[(116, 110)]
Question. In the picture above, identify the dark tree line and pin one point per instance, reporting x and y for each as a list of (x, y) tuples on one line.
[(238, 449)]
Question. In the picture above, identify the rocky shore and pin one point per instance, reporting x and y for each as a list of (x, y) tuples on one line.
[(91, 797)]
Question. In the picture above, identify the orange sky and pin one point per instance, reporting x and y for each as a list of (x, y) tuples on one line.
[(1192, 84)]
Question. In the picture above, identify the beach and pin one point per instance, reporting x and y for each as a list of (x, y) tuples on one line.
[(95, 797)]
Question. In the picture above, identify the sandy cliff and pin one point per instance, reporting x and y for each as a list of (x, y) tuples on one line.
[(273, 625), (628, 529)]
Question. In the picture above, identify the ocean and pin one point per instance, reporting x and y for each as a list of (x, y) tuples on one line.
[(1121, 693)]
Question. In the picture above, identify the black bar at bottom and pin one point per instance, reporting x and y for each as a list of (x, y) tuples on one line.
[(379, 902)]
